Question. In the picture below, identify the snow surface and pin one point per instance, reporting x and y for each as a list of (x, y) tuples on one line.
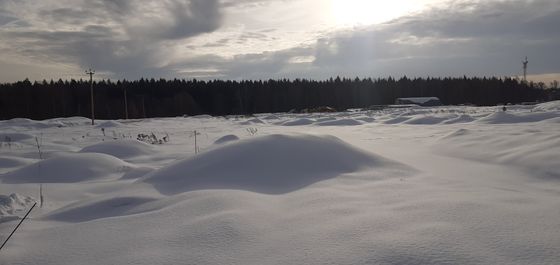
[(226, 139), (442, 185), (12, 205), (122, 149), (272, 164)]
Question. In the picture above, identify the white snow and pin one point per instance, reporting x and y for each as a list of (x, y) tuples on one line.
[(226, 138), (108, 124), (68, 168), (12, 205), (122, 149), (442, 185), (270, 164), (298, 122), (341, 122)]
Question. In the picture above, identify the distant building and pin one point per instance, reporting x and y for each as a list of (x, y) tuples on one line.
[(422, 101)]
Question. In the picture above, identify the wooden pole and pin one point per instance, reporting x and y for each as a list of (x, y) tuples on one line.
[(91, 73)]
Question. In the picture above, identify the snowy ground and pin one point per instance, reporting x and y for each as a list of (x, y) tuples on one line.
[(446, 185)]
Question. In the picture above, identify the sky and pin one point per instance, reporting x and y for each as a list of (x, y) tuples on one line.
[(263, 39)]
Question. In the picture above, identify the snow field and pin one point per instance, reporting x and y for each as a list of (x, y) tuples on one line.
[(446, 185)]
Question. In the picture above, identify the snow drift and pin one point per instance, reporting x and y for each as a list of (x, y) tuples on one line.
[(341, 122), (102, 208), (298, 122), (484, 193), (109, 124), (14, 204), (531, 150), (271, 164), (508, 118), (14, 137), (10, 162), (120, 148), (226, 139), (69, 168)]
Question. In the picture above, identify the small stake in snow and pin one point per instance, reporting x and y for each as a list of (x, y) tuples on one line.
[(15, 229), (39, 143), (195, 144)]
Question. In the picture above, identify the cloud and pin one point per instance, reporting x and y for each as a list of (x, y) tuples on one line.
[(126, 38), (248, 3), (482, 38), (181, 38)]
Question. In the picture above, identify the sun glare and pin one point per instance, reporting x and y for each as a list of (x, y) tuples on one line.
[(365, 12)]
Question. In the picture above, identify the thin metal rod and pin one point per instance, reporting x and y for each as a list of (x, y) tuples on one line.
[(21, 221)]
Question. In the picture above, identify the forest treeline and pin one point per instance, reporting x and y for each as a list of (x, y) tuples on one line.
[(167, 98)]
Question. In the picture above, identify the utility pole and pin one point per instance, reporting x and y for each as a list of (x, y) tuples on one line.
[(91, 73), (525, 69)]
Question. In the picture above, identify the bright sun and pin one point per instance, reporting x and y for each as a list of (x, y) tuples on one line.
[(365, 12)]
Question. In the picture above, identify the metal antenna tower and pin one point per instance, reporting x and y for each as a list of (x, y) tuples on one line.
[(91, 73)]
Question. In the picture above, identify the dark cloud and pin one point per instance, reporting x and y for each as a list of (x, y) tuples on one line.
[(113, 36), (198, 16), (131, 39), (6, 18), (179, 19)]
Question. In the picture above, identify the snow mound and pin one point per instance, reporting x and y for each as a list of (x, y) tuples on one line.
[(323, 119), (366, 119), (531, 150), (26, 123), (273, 164), (341, 122), (69, 168), (104, 208), (506, 117), (109, 124), (9, 162), (461, 119), (271, 117), (298, 122), (202, 116), (426, 120), (70, 121), (553, 120), (135, 173), (15, 137), (14, 204), (252, 121), (226, 139), (458, 133), (396, 120), (548, 106), (122, 149)]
